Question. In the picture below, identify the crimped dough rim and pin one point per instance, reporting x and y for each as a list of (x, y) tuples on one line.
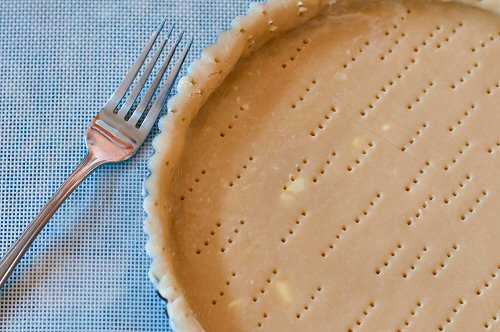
[(205, 75)]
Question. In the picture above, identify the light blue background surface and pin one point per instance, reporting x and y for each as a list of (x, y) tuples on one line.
[(59, 62)]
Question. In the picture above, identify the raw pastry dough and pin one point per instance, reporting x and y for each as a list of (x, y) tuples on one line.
[(341, 176)]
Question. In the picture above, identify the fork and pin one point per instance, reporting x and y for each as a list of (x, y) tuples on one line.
[(113, 136)]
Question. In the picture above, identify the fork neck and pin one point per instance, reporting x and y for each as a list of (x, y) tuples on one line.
[(86, 167)]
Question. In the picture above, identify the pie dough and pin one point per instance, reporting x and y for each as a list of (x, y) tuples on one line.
[(334, 167)]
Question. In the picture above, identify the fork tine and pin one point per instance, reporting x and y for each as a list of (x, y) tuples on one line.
[(125, 84), (144, 77), (152, 89), (162, 96)]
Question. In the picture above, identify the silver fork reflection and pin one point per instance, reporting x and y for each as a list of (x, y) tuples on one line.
[(113, 136)]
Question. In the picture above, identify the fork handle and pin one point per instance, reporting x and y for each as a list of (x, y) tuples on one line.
[(16, 253)]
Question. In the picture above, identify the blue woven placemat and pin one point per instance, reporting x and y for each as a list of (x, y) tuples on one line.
[(59, 62)]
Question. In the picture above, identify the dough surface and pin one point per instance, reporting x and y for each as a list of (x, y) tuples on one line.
[(346, 177)]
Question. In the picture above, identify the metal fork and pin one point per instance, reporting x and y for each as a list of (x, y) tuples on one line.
[(113, 136)]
